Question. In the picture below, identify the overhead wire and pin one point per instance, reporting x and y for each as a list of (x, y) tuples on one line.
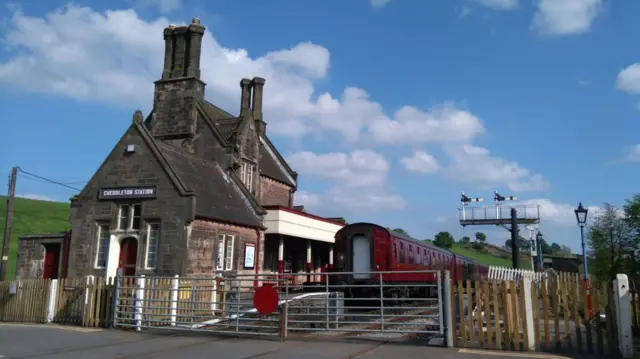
[(44, 179)]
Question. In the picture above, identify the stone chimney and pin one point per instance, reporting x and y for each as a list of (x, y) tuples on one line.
[(258, 86), (245, 97), (180, 88)]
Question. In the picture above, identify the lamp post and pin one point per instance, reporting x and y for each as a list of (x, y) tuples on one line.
[(581, 217), (539, 249)]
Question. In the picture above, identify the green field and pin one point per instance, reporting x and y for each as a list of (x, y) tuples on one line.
[(488, 258), (32, 217)]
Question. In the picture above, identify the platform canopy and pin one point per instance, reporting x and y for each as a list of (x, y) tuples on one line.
[(290, 222)]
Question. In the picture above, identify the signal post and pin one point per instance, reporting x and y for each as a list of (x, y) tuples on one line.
[(495, 215)]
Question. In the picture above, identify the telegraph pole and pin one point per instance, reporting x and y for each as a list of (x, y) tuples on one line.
[(7, 224)]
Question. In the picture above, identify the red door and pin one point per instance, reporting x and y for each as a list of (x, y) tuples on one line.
[(128, 256), (51, 261)]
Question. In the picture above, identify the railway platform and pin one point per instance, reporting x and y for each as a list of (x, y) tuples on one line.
[(59, 342)]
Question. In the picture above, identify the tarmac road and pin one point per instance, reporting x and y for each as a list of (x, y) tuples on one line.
[(59, 342)]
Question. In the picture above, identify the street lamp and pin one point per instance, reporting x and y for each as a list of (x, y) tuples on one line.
[(539, 249), (581, 217)]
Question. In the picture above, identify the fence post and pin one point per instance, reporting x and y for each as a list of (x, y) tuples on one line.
[(138, 305), (528, 305), (446, 304), (88, 302), (51, 305), (623, 314), (116, 298), (175, 283)]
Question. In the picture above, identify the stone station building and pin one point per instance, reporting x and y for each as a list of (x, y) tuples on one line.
[(191, 190)]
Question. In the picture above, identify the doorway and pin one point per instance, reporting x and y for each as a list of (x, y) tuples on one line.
[(51, 261), (128, 256)]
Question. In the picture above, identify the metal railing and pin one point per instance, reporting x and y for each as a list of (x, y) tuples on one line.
[(490, 213), (377, 306)]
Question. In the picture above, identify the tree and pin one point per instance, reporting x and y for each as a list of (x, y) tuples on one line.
[(481, 237), (443, 240), (613, 241), (507, 244), (546, 248), (555, 248), (400, 230), (464, 240)]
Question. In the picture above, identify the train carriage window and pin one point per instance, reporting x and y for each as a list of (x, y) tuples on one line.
[(410, 254), (426, 257), (418, 257), (401, 259), (394, 252)]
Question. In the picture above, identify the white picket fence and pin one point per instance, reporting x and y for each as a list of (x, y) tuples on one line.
[(504, 273)]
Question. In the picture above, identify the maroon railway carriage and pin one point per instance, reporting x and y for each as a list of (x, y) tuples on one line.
[(363, 248)]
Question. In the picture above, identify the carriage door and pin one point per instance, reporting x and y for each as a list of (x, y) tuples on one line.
[(361, 257)]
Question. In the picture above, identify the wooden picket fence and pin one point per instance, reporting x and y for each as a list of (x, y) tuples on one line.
[(24, 301), (491, 314), (77, 301)]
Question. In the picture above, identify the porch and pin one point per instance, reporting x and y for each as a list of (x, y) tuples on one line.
[(297, 244)]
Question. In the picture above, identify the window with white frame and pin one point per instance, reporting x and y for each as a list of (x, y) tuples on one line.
[(129, 216), (246, 175), (153, 236), (224, 259), (102, 253)]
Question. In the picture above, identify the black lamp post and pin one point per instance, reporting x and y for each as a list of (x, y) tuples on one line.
[(539, 250), (581, 217)]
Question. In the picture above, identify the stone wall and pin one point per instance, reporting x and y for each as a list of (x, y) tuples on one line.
[(31, 259), (138, 169)]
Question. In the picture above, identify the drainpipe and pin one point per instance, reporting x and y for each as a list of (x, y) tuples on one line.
[(257, 258)]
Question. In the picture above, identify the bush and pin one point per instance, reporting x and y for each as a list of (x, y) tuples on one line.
[(476, 245)]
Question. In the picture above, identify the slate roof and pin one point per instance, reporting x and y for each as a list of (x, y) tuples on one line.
[(218, 196), (227, 124)]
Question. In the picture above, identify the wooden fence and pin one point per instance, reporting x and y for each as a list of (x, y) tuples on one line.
[(24, 301), (492, 314), (73, 301)]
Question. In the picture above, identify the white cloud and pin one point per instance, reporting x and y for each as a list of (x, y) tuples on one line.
[(565, 17), (634, 154), (117, 56), (37, 197), (358, 179), (500, 4), (559, 214), (165, 6), (628, 79), (379, 3), (476, 165), (421, 162), (307, 199), (360, 168), (444, 123)]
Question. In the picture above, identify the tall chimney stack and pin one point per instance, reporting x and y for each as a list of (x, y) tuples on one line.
[(245, 97), (180, 89), (258, 86)]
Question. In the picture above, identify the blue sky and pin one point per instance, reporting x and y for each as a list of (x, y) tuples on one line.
[(387, 109)]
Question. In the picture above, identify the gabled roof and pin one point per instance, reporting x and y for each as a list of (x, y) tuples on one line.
[(219, 196), (272, 164)]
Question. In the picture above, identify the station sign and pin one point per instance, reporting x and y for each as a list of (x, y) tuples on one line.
[(127, 192)]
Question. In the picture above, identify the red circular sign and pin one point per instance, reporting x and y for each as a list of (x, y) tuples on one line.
[(265, 299)]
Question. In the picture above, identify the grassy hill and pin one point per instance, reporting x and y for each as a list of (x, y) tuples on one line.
[(31, 217), (490, 255)]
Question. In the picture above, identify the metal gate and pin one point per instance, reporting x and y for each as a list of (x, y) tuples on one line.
[(220, 305), (387, 306)]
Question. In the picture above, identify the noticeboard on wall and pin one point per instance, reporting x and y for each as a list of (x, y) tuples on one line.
[(127, 192), (249, 255)]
